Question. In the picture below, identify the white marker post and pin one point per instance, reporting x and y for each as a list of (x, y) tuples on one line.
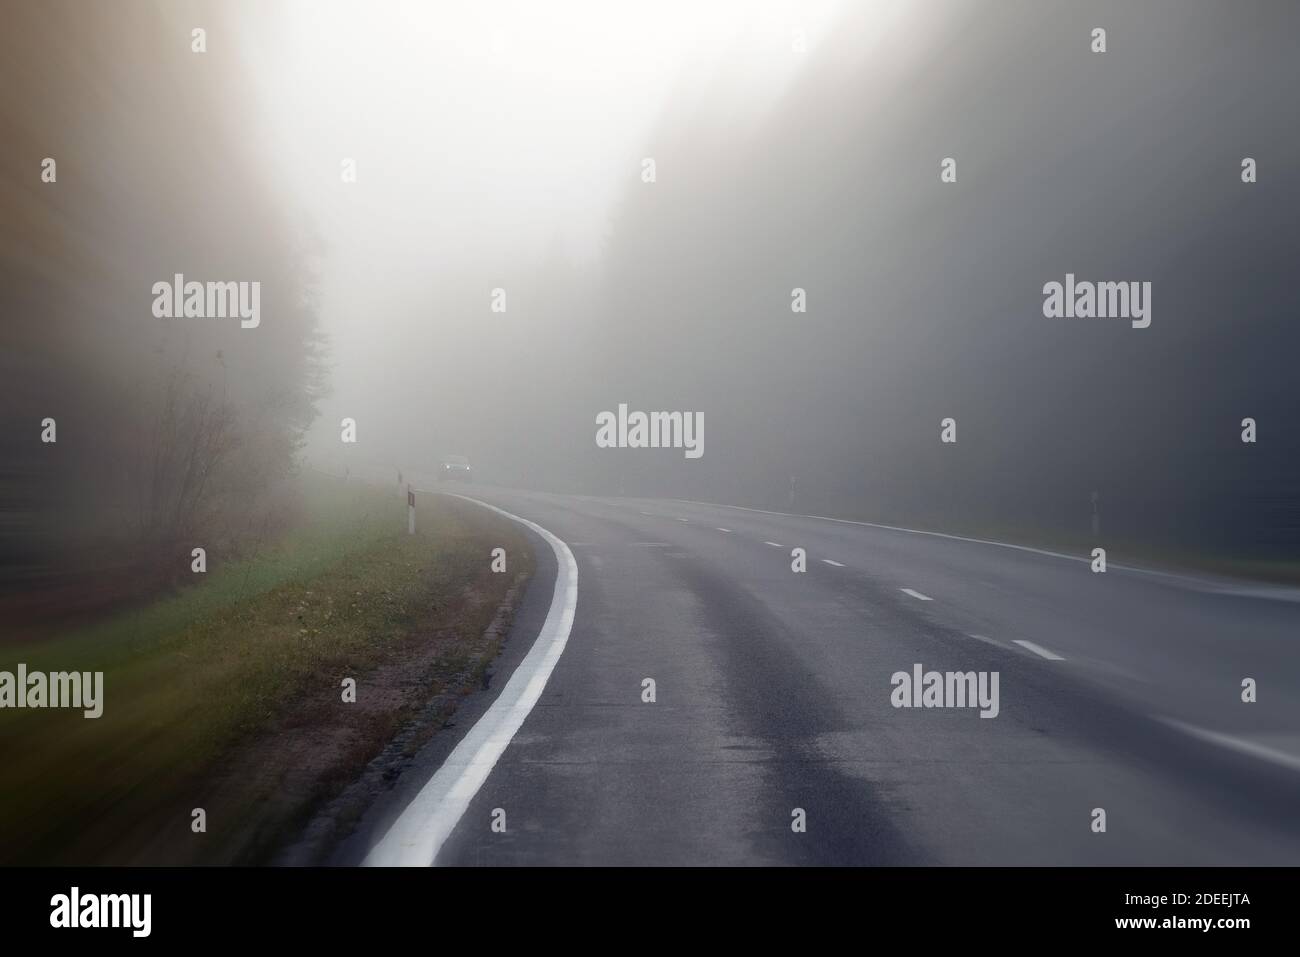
[(410, 510)]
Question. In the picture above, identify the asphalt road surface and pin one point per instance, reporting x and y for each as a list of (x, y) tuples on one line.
[(1119, 691)]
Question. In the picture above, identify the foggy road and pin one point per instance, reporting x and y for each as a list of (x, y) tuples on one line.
[(740, 433), (1119, 691)]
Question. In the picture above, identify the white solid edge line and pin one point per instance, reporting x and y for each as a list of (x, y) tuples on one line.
[(917, 531), (959, 538), (1038, 650), (417, 835), (829, 562), (915, 594), (1240, 745)]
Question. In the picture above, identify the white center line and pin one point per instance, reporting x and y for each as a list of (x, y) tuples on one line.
[(829, 562), (915, 594), (1039, 650), (724, 529), (773, 544)]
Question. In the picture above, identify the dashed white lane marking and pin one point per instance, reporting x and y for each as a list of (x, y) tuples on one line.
[(1038, 650), (913, 531), (829, 562), (644, 512), (986, 640), (773, 544), (652, 544), (1240, 745), (724, 529), (1276, 593), (683, 520), (415, 838), (915, 594)]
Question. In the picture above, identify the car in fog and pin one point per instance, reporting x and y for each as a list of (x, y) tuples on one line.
[(455, 468)]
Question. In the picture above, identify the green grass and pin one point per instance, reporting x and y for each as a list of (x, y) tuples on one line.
[(261, 643)]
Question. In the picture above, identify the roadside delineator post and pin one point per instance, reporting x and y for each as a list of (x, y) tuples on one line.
[(410, 510)]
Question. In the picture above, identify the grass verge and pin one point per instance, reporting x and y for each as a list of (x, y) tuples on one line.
[(227, 696)]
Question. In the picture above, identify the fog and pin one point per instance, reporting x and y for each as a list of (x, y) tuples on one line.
[(391, 171), (494, 146), (801, 147)]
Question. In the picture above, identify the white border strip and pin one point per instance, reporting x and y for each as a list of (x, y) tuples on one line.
[(1199, 583), (914, 531), (419, 832)]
